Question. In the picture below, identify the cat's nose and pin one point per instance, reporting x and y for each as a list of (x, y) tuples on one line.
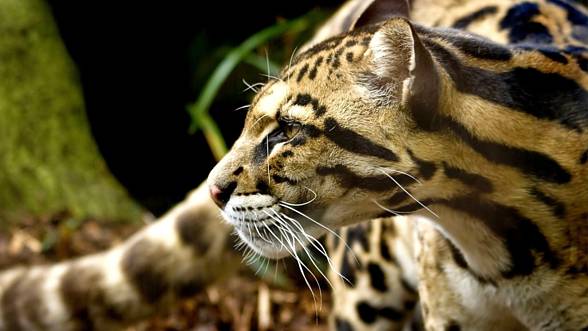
[(221, 195)]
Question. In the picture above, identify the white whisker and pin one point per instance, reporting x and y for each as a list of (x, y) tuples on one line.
[(299, 240), (290, 63), (304, 203), (316, 244), (393, 212), (271, 77), (406, 191), (258, 120), (252, 87), (292, 252), (269, 180), (322, 226), (402, 173), (242, 107)]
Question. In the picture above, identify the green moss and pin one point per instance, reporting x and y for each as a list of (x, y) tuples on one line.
[(48, 160)]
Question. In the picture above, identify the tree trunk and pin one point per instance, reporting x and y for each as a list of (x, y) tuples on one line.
[(49, 162)]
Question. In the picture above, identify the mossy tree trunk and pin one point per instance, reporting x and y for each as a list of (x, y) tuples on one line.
[(49, 162)]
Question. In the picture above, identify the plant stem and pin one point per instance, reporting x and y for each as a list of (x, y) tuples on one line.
[(199, 110)]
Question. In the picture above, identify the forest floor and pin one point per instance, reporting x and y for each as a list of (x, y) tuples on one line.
[(240, 303)]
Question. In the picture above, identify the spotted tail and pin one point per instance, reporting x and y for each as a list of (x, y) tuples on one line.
[(184, 251)]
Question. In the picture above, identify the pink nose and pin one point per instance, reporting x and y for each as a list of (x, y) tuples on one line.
[(220, 196)]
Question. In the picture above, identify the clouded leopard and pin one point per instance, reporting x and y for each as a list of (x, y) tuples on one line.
[(469, 116)]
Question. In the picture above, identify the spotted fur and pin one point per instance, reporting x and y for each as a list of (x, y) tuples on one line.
[(485, 104), (173, 258)]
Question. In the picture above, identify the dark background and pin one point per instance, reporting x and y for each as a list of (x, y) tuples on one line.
[(141, 63)]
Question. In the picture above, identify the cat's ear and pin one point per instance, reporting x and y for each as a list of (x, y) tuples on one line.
[(381, 10), (401, 63)]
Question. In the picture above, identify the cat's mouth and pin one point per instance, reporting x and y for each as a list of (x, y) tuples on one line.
[(272, 228)]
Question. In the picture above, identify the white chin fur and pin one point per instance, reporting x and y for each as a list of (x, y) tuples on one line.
[(271, 251)]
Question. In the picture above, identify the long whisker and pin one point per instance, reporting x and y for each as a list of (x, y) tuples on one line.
[(290, 63), (272, 77), (292, 252), (257, 229), (269, 180), (258, 120), (408, 193), (301, 264), (252, 87), (316, 244), (322, 226), (242, 107), (393, 212), (304, 203), (402, 173), (299, 240)]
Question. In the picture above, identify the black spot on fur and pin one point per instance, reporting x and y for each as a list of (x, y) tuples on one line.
[(349, 179), (283, 179), (458, 258), (302, 72), (314, 70), (542, 95), (578, 19), (262, 187), (145, 275), (364, 32), (385, 252), (554, 55), (79, 293), (238, 171), (521, 28), (426, 169), (351, 43), (391, 313), (354, 142), (367, 313), (478, 15), (286, 154), (21, 300), (396, 199), (523, 239), (470, 45), (303, 99), (191, 231), (335, 63), (347, 270), (529, 162), (342, 325), (306, 99), (584, 157), (336, 239), (557, 207), (412, 207), (358, 234), (377, 277), (349, 56), (461, 262), (407, 286), (475, 181), (453, 326)]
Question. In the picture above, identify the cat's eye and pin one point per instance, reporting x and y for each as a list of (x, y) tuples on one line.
[(289, 127)]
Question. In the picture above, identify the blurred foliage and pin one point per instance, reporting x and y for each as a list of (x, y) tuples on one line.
[(291, 33)]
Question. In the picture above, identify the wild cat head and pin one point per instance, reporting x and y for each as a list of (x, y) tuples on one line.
[(328, 139)]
